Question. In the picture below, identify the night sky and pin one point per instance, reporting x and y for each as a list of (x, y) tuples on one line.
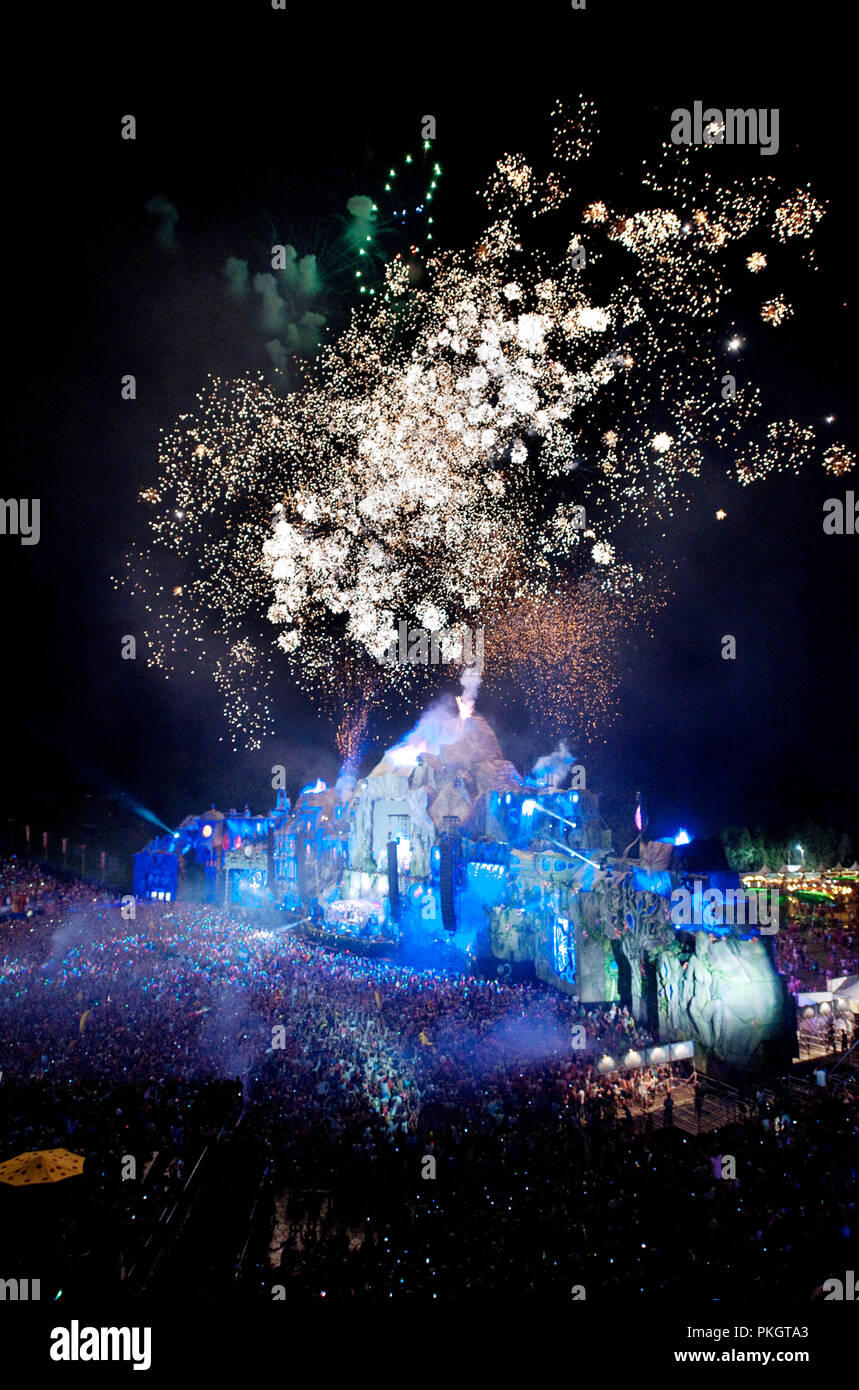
[(257, 131)]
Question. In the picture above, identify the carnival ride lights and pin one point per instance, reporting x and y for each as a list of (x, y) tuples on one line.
[(803, 882)]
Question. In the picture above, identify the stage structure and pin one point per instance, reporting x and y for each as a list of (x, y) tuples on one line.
[(445, 849), (214, 857)]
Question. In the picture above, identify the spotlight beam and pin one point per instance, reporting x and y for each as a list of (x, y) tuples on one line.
[(530, 806)]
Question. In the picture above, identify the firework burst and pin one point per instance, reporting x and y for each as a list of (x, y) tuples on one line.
[(437, 461)]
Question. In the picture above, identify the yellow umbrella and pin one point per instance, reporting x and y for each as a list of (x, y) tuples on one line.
[(42, 1165)]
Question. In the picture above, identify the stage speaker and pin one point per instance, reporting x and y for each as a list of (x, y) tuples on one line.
[(393, 881), (448, 913), (269, 852)]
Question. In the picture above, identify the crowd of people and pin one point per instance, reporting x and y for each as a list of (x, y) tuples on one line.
[(809, 951), (28, 888), (463, 1132)]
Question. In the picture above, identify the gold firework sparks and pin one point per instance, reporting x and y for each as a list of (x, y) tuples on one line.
[(775, 311), (798, 215), (432, 465), (560, 647), (838, 460)]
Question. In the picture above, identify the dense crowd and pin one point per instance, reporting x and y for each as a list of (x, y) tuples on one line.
[(419, 1131), (809, 952), (27, 888)]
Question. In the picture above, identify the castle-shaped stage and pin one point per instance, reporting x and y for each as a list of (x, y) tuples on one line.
[(444, 847)]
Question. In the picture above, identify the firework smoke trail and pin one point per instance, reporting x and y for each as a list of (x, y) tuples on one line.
[(351, 736), (433, 463)]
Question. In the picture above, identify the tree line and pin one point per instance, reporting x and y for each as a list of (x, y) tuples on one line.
[(748, 848)]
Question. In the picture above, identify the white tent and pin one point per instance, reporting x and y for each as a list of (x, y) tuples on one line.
[(845, 987)]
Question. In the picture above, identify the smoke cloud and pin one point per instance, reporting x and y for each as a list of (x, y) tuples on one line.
[(363, 221), (238, 277), (553, 766), (470, 681), (167, 216), (282, 314), (305, 336), (345, 784), (438, 726), (284, 302), (530, 1039)]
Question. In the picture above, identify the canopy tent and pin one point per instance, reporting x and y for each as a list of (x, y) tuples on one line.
[(845, 986), (41, 1166)]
